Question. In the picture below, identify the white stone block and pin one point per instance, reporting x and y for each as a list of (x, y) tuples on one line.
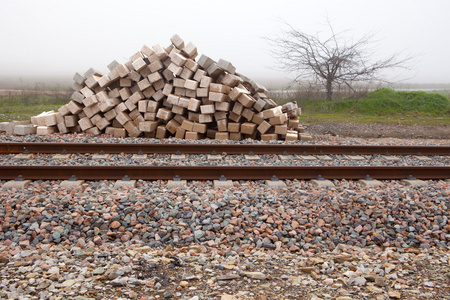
[(323, 183), (24, 129), (71, 184), (276, 183), (177, 41), (172, 184), (190, 50), (226, 65), (204, 61), (62, 128), (414, 182), (18, 185), (371, 183), (85, 123), (71, 121), (45, 130), (78, 78), (223, 184), (127, 184)]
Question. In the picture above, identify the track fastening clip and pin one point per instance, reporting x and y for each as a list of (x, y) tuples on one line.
[(367, 177), (319, 177)]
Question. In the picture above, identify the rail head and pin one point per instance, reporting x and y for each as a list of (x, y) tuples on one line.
[(215, 172), (11, 148)]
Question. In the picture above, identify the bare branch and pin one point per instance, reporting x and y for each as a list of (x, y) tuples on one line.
[(336, 60)]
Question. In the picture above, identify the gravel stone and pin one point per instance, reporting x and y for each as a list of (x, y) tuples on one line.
[(250, 241)]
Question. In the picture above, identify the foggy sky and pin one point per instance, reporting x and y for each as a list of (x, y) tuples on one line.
[(55, 39)]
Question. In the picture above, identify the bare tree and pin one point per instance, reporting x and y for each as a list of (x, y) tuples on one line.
[(335, 61)]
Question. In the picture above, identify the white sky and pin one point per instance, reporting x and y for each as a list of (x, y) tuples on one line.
[(54, 38)]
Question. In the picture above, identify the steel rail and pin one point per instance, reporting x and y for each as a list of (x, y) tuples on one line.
[(215, 172), (11, 148)]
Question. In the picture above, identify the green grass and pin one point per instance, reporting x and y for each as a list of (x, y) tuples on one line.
[(23, 106), (318, 118), (445, 93), (380, 106)]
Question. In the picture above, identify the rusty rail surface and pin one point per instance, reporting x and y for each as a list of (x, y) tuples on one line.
[(10, 148), (215, 172)]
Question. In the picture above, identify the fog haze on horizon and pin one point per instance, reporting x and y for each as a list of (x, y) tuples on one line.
[(54, 39)]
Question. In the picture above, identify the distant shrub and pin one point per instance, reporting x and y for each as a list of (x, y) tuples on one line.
[(387, 101), (384, 102)]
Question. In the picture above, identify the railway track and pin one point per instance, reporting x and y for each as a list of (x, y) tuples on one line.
[(216, 172), (237, 172), (219, 148)]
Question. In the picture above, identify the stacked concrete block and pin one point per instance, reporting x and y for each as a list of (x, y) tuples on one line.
[(44, 130), (24, 129), (10, 127), (172, 92), (4, 126)]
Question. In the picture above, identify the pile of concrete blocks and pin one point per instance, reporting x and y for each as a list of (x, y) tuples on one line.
[(168, 92)]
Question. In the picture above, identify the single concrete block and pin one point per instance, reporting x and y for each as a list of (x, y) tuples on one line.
[(422, 158), (26, 122), (291, 136), (285, 157), (62, 156), (177, 41), (276, 183), (24, 129), (9, 128), (19, 185), (307, 157), (44, 130), (3, 126), (50, 119), (305, 137), (371, 183), (190, 50), (139, 156), (252, 157), (71, 184), (125, 184), (62, 128), (23, 156), (414, 182), (178, 157), (100, 156), (204, 61), (391, 158), (272, 112), (214, 157), (322, 183), (223, 184), (176, 184), (226, 65), (324, 158), (355, 157)]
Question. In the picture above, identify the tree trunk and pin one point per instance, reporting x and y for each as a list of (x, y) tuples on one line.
[(329, 88)]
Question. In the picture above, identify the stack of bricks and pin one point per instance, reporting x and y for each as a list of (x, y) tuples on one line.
[(167, 92)]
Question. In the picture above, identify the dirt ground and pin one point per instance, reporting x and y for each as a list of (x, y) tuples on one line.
[(381, 131)]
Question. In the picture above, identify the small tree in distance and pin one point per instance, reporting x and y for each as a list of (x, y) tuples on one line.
[(331, 62)]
